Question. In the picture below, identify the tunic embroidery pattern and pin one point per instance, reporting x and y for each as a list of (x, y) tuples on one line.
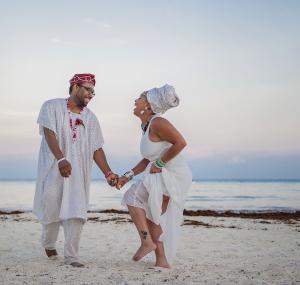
[(77, 123)]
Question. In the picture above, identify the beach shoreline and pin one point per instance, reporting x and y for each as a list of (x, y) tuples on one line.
[(268, 215), (213, 250)]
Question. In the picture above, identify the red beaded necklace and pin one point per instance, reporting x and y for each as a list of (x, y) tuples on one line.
[(77, 123)]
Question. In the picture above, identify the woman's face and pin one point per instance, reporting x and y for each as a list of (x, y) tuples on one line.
[(141, 104)]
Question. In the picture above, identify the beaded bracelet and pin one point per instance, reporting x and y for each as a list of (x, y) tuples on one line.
[(60, 160), (159, 163), (108, 173)]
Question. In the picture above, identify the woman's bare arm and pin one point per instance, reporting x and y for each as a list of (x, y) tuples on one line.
[(163, 129), (141, 166)]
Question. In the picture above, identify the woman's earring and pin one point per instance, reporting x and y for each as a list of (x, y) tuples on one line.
[(143, 111)]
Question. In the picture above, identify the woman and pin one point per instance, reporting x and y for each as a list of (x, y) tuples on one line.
[(155, 204)]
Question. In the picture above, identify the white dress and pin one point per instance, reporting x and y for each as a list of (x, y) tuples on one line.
[(58, 198), (174, 181)]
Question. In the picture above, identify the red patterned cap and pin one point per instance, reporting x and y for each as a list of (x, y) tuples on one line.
[(83, 77)]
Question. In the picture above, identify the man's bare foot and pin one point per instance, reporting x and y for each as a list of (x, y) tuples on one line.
[(51, 252), (143, 251), (77, 264)]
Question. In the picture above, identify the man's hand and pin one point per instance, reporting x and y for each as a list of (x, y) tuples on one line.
[(112, 179), (154, 168), (65, 168), (121, 182)]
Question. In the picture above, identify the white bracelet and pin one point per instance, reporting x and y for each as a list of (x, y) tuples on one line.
[(63, 158), (129, 174)]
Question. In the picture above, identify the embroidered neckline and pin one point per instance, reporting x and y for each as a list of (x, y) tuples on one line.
[(77, 123)]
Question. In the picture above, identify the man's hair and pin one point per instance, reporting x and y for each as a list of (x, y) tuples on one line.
[(70, 89)]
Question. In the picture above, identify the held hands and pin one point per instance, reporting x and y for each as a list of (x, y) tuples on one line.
[(121, 182), (65, 168), (127, 176), (116, 181), (112, 179)]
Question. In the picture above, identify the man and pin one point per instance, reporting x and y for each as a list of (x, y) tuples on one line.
[(71, 140)]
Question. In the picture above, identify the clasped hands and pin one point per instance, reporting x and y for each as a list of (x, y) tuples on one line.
[(117, 181)]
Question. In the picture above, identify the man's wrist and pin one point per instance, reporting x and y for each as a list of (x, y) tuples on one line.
[(107, 174), (60, 160)]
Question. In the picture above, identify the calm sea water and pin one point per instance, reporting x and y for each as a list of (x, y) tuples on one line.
[(209, 195)]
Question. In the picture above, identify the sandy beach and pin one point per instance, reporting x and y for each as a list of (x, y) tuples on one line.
[(214, 250)]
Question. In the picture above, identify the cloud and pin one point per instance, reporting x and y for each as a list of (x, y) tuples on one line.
[(236, 160), (110, 35), (106, 26), (97, 23), (55, 40)]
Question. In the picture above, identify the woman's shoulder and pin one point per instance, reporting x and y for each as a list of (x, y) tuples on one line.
[(159, 122)]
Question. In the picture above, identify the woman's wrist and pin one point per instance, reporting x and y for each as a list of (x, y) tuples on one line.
[(159, 163), (129, 174), (162, 160)]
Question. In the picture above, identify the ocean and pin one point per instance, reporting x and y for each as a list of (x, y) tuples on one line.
[(217, 195)]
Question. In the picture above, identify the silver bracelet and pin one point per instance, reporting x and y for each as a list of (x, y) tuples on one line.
[(63, 158), (129, 175)]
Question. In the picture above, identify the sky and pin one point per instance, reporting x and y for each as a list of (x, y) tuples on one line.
[(234, 64)]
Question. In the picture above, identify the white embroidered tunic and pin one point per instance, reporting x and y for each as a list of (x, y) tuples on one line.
[(58, 198)]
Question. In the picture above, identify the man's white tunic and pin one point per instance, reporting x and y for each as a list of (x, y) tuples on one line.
[(58, 198)]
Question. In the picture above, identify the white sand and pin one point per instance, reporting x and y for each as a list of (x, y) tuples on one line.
[(250, 253)]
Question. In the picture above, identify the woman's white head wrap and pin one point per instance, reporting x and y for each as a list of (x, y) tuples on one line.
[(163, 98)]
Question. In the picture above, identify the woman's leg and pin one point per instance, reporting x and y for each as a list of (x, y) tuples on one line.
[(156, 231), (138, 217)]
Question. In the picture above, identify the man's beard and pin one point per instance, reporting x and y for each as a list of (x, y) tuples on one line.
[(80, 102)]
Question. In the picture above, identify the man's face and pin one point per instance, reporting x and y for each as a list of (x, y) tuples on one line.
[(84, 93)]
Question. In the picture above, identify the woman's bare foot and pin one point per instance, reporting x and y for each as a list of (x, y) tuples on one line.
[(143, 251), (161, 260), (163, 264)]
